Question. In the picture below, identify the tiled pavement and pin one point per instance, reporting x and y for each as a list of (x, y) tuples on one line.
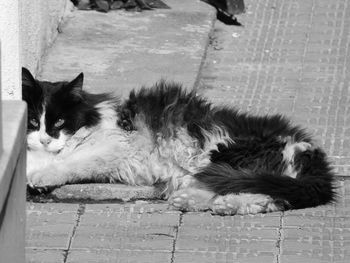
[(291, 56), (149, 232)]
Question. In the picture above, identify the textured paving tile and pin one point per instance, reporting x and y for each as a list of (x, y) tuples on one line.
[(139, 207), (146, 232), (305, 258), (112, 226), (290, 57), (50, 225), (320, 234), (118, 256), (222, 257), (206, 238), (44, 255)]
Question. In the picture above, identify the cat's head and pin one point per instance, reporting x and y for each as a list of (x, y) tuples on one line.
[(56, 110)]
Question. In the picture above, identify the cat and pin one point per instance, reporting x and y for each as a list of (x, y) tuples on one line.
[(56, 111), (204, 157)]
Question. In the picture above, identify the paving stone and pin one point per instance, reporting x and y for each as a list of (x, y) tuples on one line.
[(44, 255), (320, 234), (239, 234), (51, 208), (223, 257), (269, 220), (118, 256), (312, 258), (138, 207), (312, 250), (318, 228), (50, 225), (107, 228)]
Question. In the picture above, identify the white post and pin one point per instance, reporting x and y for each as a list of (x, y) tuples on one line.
[(10, 57), (0, 107)]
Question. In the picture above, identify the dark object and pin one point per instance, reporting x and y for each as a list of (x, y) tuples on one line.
[(227, 9), (130, 5), (102, 5), (227, 20), (117, 5)]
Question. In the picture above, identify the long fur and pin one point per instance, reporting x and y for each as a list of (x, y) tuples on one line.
[(205, 156), (253, 161)]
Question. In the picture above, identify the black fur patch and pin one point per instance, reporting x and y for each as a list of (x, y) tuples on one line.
[(165, 106)]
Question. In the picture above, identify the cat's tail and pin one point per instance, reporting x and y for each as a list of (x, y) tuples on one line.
[(313, 185)]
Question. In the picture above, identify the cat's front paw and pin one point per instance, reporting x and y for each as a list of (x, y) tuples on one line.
[(46, 178)]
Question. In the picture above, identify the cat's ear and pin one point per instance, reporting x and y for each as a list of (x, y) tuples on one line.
[(75, 87), (27, 79), (30, 87)]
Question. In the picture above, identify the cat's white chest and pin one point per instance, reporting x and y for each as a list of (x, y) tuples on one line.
[(36, 160)]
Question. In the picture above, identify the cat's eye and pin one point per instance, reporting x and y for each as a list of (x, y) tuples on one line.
[(34, 122), (59, 123)]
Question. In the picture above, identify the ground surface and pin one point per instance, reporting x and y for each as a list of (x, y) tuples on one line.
[(149, 232), (290, 57), (119, 51)]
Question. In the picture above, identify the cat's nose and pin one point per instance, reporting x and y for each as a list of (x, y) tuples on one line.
[(45, 140)]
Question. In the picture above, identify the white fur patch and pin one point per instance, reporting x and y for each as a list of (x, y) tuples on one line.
[(243, 204), (288, 156), (37, 160), (196, 199), (108, 114), (33, 141), (192, 199)]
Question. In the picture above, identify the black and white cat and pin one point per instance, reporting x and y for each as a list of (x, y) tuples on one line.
[(205, 157)]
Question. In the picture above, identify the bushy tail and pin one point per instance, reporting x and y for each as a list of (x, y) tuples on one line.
[(314, 184)]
